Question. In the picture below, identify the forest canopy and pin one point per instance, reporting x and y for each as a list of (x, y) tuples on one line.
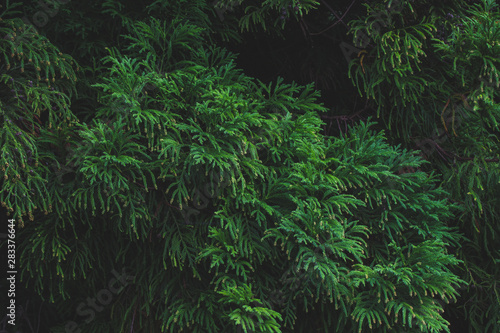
[(249, 166)]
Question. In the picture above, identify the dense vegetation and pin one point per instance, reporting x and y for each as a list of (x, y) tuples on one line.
[(248, 166)]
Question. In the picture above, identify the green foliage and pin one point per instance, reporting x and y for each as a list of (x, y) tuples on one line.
[(243, 297), (266, 14), (221, 193), (29, 103), (461, 70)]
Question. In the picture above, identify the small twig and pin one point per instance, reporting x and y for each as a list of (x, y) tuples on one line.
[(462, 158), (442, 152), (133, 319), (346, 117), (338, 18), (472, 158)]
